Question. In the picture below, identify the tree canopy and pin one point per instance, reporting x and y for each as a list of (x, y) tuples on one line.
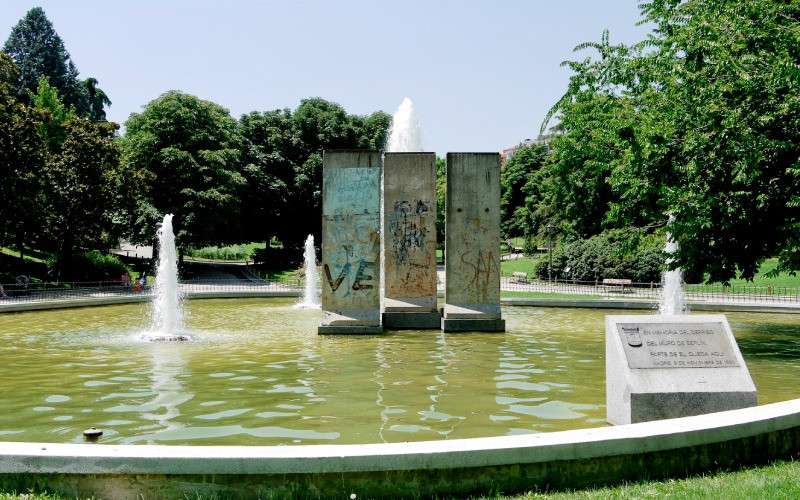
[(282, 156), (65, 182), (700, 121), (520, 181), (187, 150), (39, 51), (22, 156)]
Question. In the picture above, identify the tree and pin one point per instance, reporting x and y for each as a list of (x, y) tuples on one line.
[(188, 150), (441, 192), (268, 144), (85, 188), (56, 114), (518, 181), (39, 51), (701, 121), (98, 100), (282, 156), (22, 156)]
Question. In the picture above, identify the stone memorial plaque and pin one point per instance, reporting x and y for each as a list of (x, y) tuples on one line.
[(638, 345), (676, 345)]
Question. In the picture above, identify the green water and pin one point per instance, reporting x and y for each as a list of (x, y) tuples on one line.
[(256, 373)]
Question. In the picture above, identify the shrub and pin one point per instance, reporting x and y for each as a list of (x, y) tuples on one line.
[(612, 254), (234, 252), (90, 266)]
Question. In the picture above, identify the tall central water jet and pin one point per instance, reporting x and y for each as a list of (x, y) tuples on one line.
[(405, 135), (167, 311)]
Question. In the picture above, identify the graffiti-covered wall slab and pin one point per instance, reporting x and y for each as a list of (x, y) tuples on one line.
[(409, 231), (472, 243), (409, 198), (351, 182)]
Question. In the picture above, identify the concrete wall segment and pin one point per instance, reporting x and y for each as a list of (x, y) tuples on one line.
[(351, 238), (409, 229), (472, 234)]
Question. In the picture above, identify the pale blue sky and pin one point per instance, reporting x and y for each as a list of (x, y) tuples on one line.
[(481, 74)]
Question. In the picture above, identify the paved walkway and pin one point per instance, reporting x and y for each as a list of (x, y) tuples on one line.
[(129, 250)]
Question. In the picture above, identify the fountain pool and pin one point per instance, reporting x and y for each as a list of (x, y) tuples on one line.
[(257, 373)]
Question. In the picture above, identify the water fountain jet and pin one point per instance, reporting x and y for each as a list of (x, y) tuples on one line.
[(672, 301), (404, 135), (310, 299), (167, 310)]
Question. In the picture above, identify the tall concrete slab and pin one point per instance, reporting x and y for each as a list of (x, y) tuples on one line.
[(472, 244), (351, 188), (409, 229)]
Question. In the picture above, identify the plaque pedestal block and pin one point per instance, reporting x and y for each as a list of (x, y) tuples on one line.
[(660, 367)]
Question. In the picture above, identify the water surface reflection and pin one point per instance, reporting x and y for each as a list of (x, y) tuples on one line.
[(256, 373)]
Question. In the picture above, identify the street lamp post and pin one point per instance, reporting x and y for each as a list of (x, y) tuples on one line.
[(550, 228)]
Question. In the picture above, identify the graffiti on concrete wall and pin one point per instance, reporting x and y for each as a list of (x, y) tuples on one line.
[(351, 238), (481, 273), (411, 251)]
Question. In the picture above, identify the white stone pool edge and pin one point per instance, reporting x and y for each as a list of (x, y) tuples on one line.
[(587, 456)]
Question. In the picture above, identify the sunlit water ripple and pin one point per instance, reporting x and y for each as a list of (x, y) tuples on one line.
[(256, 373)]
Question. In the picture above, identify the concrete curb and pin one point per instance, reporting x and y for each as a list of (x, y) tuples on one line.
[(468, 466)]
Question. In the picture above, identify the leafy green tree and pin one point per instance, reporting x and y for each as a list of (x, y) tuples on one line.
[(282, 155), (22, 156), (267, 151), (188, 150), (85, 185), (39, 51), (519, 180), (56, 114), (699, 121), (98, 100)]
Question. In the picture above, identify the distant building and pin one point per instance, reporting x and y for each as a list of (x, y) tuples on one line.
[(541, 140)]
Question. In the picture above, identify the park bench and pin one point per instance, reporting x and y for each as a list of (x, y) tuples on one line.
[(617, 282), (121, 281), (519, 277)]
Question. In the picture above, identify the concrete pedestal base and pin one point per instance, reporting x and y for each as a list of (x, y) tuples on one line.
[(412, 320), (473, 325), (349, 330), (661, 367)]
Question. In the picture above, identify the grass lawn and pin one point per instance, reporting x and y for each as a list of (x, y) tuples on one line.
[(760, 280), (10, 266), (780, 479), (524, 265), (278, 274)]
